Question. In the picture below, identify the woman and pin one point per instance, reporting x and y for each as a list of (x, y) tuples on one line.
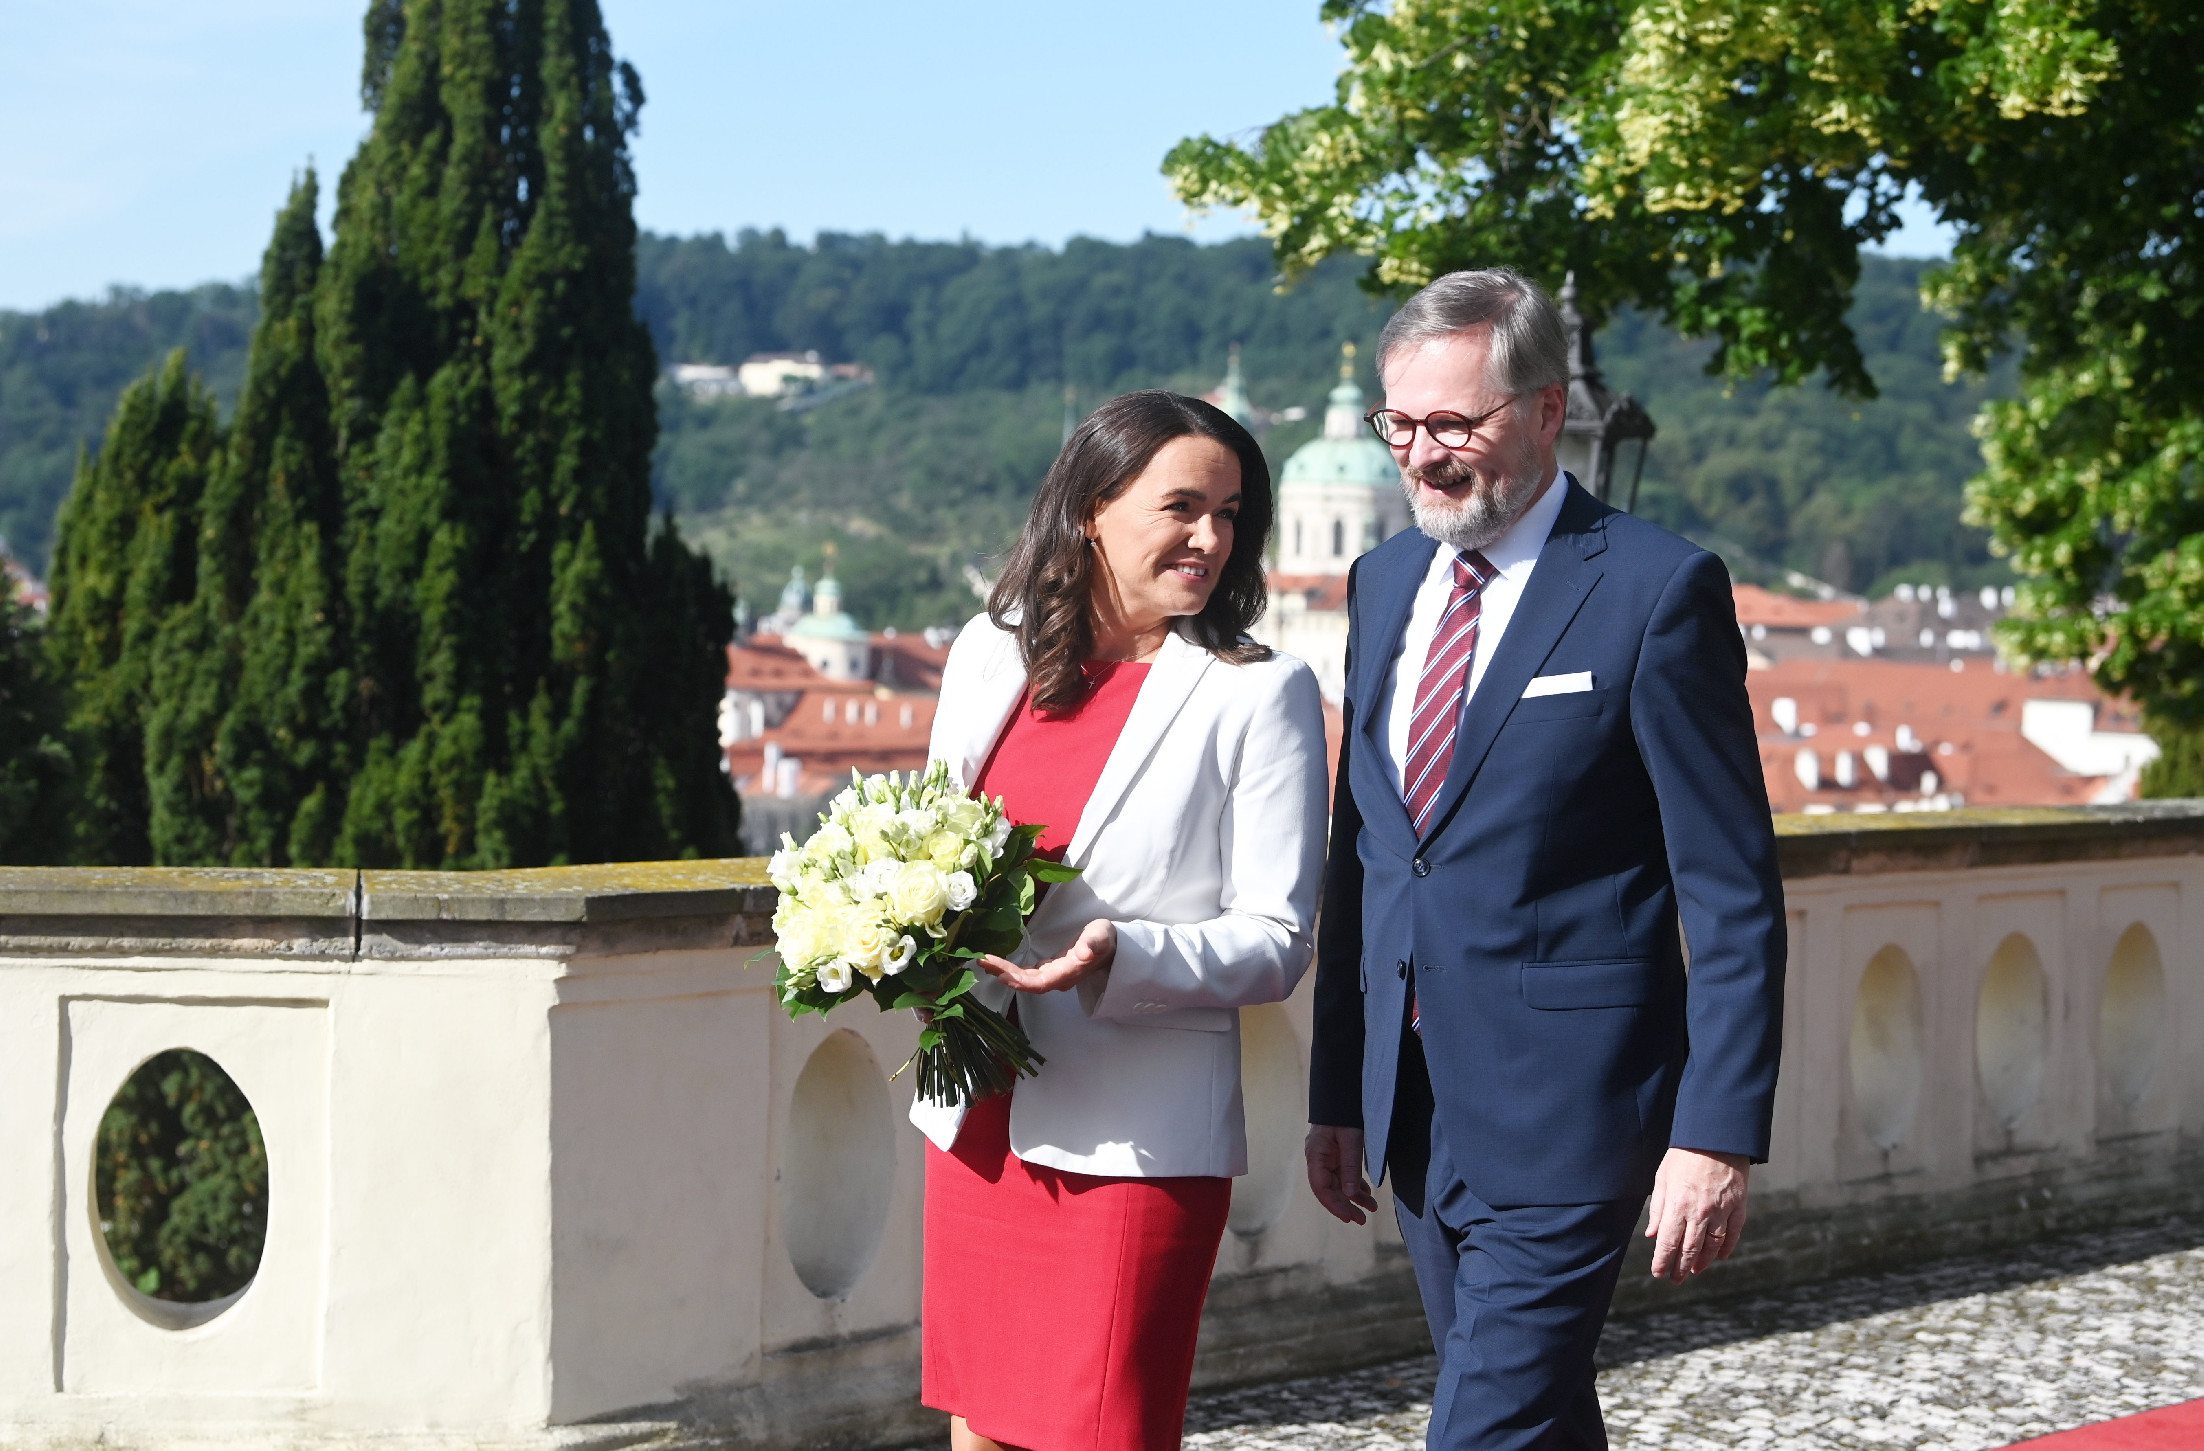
[(1111, 693)]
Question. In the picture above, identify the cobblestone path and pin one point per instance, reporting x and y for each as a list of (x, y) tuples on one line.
[(1962, 1355)]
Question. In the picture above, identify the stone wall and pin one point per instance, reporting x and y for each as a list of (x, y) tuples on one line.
[(549, 1166)]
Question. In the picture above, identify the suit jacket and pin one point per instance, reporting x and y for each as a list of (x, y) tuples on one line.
[(1204, 843), (1538, 915)]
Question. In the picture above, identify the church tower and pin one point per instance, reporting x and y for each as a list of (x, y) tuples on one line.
[(1339, 494)]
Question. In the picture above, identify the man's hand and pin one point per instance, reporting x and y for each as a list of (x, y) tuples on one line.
[(1095, 950), (1335, 1172), (1698, 1212)]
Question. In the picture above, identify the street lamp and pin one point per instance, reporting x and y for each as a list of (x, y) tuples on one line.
[(1599, 423)]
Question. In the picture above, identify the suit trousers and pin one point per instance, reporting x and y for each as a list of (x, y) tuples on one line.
[(1515, 1296)]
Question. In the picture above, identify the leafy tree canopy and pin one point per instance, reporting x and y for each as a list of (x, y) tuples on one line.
[(1720, 163)]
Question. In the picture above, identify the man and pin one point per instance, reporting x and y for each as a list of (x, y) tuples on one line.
[(1548, 759)]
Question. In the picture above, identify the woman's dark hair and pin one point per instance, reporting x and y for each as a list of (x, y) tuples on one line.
[(1046, 587)]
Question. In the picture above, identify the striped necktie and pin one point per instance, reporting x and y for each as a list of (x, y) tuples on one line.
[(1439, 706), (1440, 690)]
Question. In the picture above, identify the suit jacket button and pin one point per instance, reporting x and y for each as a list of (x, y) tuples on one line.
[(1401, 967), (1421, 867)]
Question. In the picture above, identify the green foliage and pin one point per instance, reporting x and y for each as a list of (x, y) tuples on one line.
[(62, 370), (2179, 769), (491, 391), (955, 318), (35, 766), (182, 1180), (2082, 236), (1862, 494), (1720, 163), (125, 560), (410, 610), (246, 733), (914, 485)]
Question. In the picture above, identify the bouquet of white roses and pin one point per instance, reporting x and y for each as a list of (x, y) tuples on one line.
[(905, 881)]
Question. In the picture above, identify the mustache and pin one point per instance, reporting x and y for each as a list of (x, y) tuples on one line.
[(1445, 474)]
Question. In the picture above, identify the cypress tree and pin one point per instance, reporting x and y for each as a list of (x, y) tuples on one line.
[(35, 766), (125, 558), (490, 389), (412, 611), (247, 736)]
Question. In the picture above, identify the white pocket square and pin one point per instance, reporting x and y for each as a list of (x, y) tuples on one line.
[(1558, 684)]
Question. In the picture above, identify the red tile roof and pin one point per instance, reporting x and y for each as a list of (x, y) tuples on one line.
[(1757, 606), (836, 726), (1962, 724), (908, 662), (762, 663), (836, 729)]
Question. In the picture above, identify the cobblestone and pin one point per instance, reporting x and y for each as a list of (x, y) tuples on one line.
[(1962, 1355)]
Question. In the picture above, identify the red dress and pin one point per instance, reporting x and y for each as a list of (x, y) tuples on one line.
[(1061, 1308)]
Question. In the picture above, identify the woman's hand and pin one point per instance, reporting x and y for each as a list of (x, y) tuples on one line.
[(1095, 950)]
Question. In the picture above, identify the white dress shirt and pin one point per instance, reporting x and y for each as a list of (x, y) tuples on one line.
[(1514, 555)]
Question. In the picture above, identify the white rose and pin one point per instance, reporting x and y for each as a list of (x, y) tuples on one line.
[(999, 835), (964, 816), (798, 939), (828, 842), (866, 944), (836, 976), (905, 950), (961, 890), (945, 849), (920, 894), (873, 879), (917, 823)]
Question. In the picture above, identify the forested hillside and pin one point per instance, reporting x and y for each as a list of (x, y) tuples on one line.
[(974, 347), (61, 371)]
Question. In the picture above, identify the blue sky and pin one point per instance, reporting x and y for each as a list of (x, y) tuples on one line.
[(154, 141)]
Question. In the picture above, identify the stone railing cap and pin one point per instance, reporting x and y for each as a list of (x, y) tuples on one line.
[(176, 892), (615, 892), (618, 891), (1844, 842), (627, 891)]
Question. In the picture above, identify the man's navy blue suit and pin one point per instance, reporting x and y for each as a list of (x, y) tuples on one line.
[(1561, 1051)]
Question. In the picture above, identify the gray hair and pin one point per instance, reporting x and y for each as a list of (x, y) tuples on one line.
[(1530, 347)]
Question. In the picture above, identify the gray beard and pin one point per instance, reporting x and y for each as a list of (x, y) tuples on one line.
[(1478, 520)]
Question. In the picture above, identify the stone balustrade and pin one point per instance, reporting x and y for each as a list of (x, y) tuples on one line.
[(549, 1166)]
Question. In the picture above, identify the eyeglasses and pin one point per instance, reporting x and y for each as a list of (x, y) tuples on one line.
[(1447, 429)]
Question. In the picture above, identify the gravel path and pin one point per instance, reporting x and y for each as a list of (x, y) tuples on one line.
[(1962, 1355)]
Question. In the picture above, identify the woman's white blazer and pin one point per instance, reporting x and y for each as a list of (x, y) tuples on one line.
[(1204, 843)]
